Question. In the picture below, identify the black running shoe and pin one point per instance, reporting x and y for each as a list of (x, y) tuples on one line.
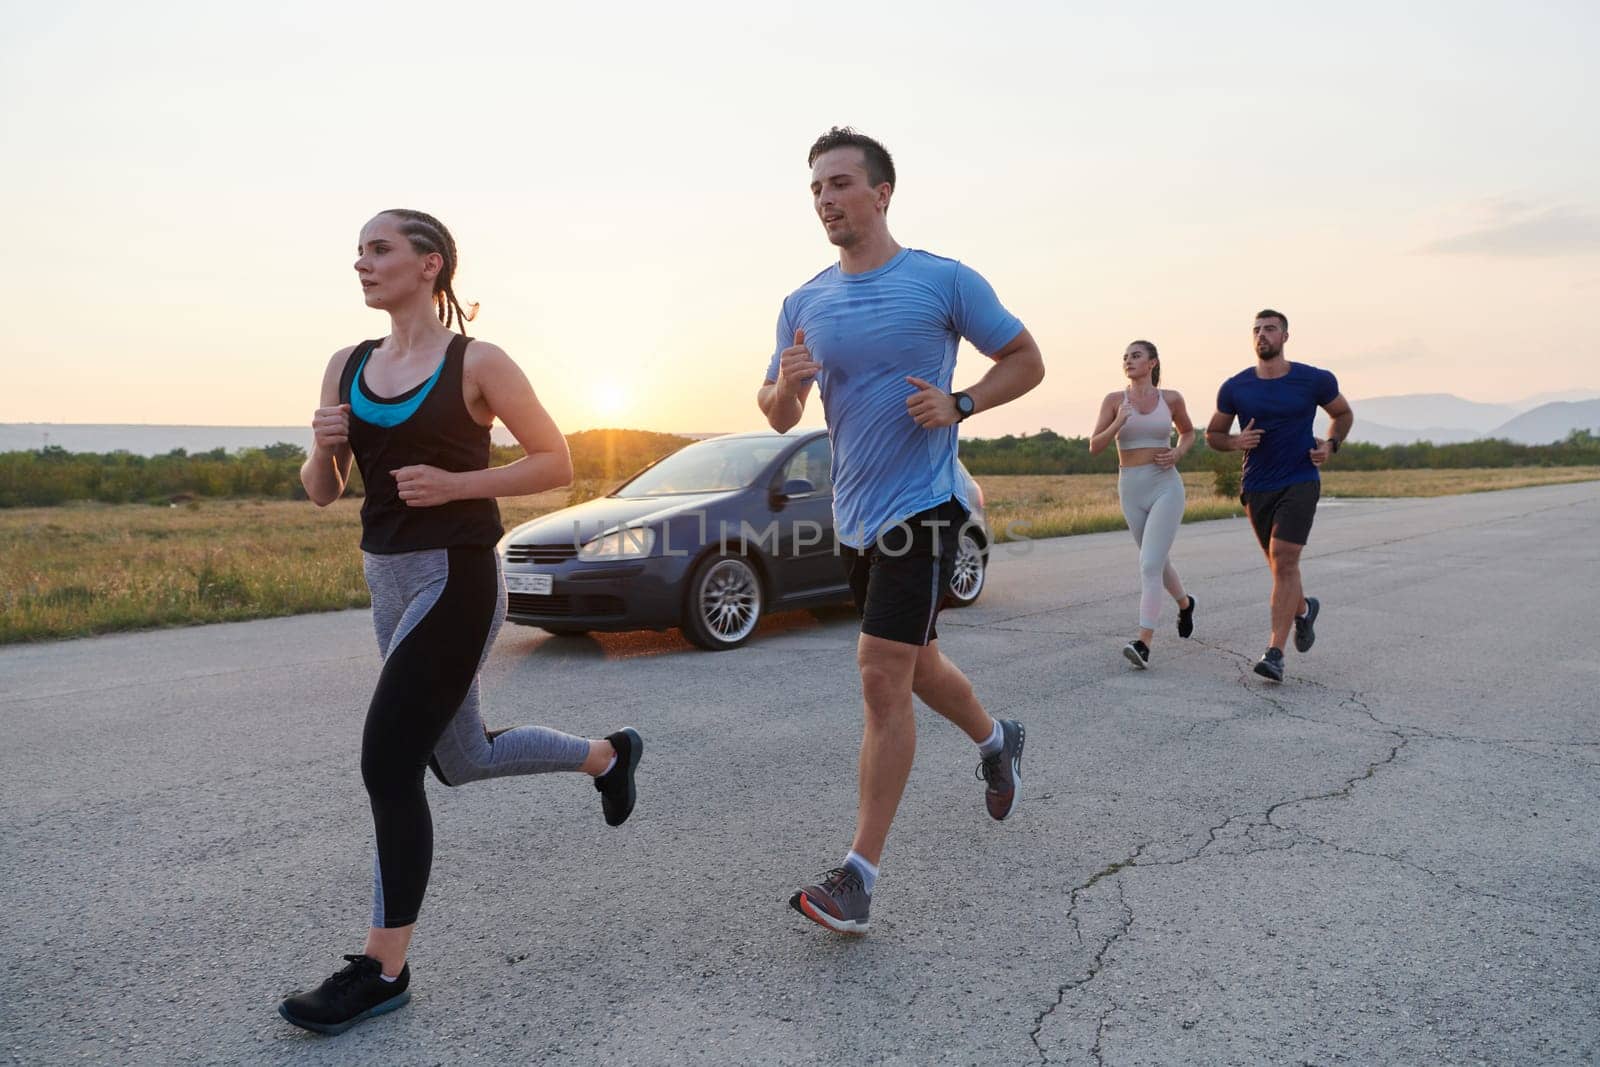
[(1304, 635), (1137, 653), (1186, 618), (1003, 771), (350, 996), (1270, 665), (616, 785)]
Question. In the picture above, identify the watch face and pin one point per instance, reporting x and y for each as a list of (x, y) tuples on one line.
[(964, 404)]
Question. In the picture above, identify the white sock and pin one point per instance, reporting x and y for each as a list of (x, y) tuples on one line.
[(610, 765), (386, 978), (996, 742), (868, 871)]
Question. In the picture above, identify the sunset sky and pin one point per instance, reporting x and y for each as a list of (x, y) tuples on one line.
[(1417, 186)]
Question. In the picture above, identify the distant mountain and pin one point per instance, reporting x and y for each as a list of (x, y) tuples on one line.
[(1422, 410), (1550, 422), (1528, 403), (1376, 433), (1446, 419)]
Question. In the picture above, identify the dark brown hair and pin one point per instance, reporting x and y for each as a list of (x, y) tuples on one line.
[(1155, 371), (880, 165), (427, 234), (1268, 313)]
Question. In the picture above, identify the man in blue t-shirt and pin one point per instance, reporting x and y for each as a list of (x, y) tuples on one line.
[(877, 334), (1276, 402)]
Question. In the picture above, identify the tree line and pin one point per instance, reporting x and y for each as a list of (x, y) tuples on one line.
[(1047, 452), (52, 475)]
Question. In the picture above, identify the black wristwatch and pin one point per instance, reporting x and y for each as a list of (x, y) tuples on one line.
[(964, 405), (1333, 443)]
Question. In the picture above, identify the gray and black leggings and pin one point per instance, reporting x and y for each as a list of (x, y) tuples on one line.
[(436, 613)]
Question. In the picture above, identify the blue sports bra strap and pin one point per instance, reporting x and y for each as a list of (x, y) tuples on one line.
[(352, 367)]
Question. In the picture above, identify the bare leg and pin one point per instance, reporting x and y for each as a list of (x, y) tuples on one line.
[(1286, 599), (889, 740), (941, 685), (600, 754), (388, 946)]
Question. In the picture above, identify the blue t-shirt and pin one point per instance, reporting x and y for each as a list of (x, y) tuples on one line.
[(869, 332), (1283, 410)]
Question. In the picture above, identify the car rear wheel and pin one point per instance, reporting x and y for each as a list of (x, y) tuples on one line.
[(972, 567), (723, 604)]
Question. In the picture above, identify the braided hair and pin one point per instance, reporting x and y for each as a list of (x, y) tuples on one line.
[(427, 234)]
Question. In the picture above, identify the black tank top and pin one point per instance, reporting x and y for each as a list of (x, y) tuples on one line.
[(438, 431)]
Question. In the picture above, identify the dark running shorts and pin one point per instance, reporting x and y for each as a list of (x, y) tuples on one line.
[(900, 580), (1283, 513)]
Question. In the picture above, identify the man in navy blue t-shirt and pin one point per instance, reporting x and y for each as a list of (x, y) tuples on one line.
[(1275, 402), (876, 334)]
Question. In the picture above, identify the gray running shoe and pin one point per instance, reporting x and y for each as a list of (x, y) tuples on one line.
[(1137, 653), (1270, 665), (839, 901), (1003, 771), (1304, 635)]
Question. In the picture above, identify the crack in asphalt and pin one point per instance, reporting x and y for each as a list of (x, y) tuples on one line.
[(1136, 858), (1096, 965), (1097, 1051)]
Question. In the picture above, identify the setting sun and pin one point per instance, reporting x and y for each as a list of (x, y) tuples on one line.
[(608, 400)]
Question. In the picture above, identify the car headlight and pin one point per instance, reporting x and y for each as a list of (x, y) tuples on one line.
[(628, 542)]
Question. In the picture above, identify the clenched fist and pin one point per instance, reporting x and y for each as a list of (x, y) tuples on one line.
[(330, 427), (796, 368), (422, 486)]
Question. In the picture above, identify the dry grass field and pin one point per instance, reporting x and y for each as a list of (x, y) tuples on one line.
[(86, 569)]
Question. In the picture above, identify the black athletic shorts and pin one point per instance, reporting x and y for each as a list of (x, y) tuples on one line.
[(900, 580), (1283, 513)]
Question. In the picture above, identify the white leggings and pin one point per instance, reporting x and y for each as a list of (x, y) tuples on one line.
[(1152, 502)]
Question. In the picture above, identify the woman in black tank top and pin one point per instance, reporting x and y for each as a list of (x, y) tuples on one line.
[(413, 411)]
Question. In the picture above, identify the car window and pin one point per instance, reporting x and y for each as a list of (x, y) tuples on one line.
[(814, 463), (706, 467)]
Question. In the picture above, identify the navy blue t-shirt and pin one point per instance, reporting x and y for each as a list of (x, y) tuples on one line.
[(1283, 410)]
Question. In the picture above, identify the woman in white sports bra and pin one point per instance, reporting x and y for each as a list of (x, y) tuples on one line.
[(1141, 419)]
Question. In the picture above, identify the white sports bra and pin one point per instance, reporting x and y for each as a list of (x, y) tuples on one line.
[(1147, 431)]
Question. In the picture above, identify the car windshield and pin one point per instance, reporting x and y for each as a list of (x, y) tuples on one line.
[(706, 467)]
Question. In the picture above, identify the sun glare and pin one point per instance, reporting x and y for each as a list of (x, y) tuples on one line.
[(608, 400)]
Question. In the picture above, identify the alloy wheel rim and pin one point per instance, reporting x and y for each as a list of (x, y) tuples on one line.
[(968, 577), (730, 600)]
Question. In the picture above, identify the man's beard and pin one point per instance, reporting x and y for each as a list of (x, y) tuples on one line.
[(1269, 352)]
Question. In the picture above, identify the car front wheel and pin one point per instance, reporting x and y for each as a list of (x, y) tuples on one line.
[(723, 603)]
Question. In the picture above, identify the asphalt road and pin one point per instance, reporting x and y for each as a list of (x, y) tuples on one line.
[(1391, 858)]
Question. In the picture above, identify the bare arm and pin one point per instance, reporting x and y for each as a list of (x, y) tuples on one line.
[(1114, 411), (1220, 440), (1018, 367), (784, 401), (1170, 457), (1343, 418), (1338, 410), (496, 388), (327, 468)]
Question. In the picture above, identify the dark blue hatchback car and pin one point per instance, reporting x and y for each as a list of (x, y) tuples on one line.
[(709, 538)]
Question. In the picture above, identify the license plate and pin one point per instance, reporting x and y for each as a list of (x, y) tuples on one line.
[(538, 584)]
